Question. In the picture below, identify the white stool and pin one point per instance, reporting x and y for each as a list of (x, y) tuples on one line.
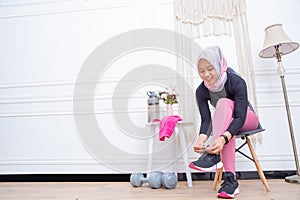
[(180, 125)]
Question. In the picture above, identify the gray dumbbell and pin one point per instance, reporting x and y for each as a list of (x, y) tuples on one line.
[(154, 179), (169, 180)]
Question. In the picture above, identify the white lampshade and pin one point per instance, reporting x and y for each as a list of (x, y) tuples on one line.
[(274, 35)]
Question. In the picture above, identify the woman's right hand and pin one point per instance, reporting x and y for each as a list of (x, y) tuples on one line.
[(200, 147)]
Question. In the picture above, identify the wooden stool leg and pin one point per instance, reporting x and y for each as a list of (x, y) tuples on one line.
[(220, 175), (218, 178), (258, 167)]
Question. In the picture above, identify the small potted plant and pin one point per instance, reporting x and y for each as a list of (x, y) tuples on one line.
[(169, 97)]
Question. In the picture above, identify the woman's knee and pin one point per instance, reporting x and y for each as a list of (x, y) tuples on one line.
[(225, 102)]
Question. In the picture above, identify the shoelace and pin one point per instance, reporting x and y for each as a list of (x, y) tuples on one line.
[(207, 156), (204, 156), (228, 180)]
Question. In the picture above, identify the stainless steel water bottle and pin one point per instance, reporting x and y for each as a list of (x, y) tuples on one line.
[(153, 106)]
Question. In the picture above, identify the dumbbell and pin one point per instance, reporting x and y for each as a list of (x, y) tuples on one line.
[(169, 180), (155, 180)]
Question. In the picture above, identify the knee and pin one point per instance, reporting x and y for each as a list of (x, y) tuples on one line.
[(224, 102)]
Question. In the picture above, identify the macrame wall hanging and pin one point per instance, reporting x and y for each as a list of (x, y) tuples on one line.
[(204, 18)]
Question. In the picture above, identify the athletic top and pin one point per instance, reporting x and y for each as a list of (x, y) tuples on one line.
[(235, 89)]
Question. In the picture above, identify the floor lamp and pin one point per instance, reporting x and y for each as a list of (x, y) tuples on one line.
[(277, 44)]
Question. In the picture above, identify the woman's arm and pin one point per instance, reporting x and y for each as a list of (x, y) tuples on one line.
[(202, 97), (202, 102)]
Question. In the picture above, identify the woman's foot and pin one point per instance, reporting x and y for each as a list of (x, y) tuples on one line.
[(230, 186), (207, 163)]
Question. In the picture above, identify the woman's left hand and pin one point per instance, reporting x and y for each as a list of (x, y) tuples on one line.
[(216, 146)]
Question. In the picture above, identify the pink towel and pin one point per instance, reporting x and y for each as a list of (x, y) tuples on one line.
[(167, 126)]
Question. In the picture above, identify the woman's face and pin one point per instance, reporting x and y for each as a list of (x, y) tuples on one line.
[(207, 72)]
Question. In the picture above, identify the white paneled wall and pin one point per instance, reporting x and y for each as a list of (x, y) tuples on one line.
[(44, 45)]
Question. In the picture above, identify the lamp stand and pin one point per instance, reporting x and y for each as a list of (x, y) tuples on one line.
[(281, 73)]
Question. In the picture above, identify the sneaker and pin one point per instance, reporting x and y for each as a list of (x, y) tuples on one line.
[(207, 163), (230, 187)]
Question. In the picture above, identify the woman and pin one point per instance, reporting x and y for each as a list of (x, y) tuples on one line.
[(227, 92)]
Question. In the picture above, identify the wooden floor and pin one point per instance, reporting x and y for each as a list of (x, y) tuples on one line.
[(249, 190)]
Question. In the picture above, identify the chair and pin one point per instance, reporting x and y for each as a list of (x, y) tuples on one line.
[(245, 136)]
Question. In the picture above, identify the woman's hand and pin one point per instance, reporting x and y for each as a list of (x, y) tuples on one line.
[(216, 146), (199, 147)]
